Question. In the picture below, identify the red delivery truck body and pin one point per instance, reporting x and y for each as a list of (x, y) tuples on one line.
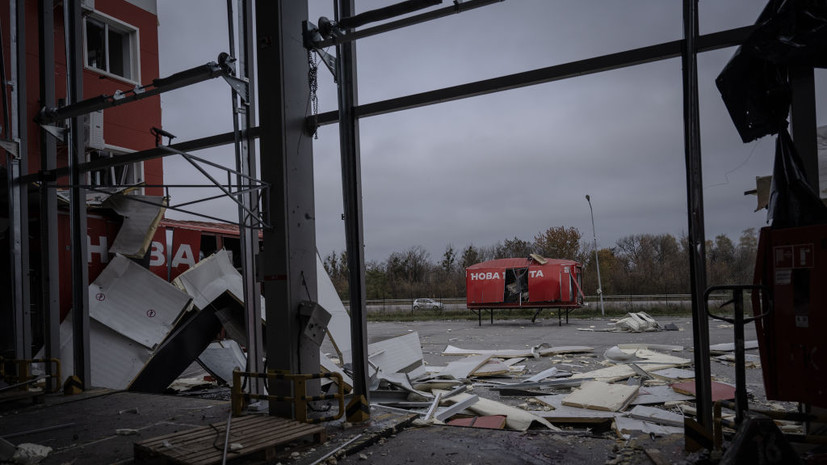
[(524, 283)]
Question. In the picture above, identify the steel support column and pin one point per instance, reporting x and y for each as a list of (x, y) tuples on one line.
[(18, 197), (73, 24), (695, 208), (352, 198), (49, 271), (243, 118), (289, 254), (803, 116)]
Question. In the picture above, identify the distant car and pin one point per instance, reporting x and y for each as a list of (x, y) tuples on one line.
[(427, 304)]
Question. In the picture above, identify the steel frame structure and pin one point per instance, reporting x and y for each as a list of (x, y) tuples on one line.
[(288, 271)]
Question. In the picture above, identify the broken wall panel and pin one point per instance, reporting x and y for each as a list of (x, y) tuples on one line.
[(338, 328), (597, 395), (141, 216), (401, 354), (182, 347), (220, 358), (210, 278), (115, 359), (134, 302)]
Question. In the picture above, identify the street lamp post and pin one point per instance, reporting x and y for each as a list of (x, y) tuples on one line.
[(596, 259)]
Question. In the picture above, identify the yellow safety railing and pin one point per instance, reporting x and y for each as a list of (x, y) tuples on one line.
[(299, 400), (24, 375)]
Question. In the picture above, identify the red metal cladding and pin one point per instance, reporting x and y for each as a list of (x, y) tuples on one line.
[(521, 282)]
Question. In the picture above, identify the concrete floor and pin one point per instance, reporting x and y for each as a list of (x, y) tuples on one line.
[(85, 426)]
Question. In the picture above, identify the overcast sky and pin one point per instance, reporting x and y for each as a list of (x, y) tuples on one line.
[(510, 164)]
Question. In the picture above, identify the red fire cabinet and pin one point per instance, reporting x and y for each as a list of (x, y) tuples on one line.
[(792, 263)]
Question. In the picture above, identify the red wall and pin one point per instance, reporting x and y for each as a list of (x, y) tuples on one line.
[(126, 126)]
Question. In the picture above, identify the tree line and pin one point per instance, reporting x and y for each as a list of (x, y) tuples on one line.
[(638, 264)]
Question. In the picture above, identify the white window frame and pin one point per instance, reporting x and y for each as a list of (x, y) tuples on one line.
[(137, 169), (131, 33)]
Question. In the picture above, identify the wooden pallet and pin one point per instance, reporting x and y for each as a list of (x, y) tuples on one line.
[(259, 437)]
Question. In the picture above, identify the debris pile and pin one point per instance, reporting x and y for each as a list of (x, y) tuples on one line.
[(636, 322), (635, 388)]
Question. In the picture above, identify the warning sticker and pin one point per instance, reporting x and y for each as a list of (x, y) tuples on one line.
[(783, 277), (803, 256), (783, 256)]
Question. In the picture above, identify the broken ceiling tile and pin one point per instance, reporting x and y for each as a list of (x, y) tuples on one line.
[(660, 347), (462, 369), (648, 395), (567, 414), (560, 350), (656, 415), (502, 353), (730, 347), (598, 395), (626, 425), (674, 374), (551, 372), (491, 368)]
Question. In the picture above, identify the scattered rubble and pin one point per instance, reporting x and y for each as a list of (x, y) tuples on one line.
[(30, 454), (633, 388)]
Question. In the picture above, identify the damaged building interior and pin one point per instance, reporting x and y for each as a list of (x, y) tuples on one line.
[(111, 310)]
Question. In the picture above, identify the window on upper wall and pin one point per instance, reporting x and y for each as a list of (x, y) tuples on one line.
[(111, 47), (115, 176)]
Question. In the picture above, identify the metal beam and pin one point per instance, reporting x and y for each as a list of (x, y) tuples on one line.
[(49, 115), (695, 209), (803, 116), (248, 212), (609, 62), (354, 229), (73, 23), (619, 60), (289, 253), (49, 270), (217, 140), (457, 7), (18, 196)]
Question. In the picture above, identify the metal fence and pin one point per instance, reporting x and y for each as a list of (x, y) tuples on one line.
[(609, 301)]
